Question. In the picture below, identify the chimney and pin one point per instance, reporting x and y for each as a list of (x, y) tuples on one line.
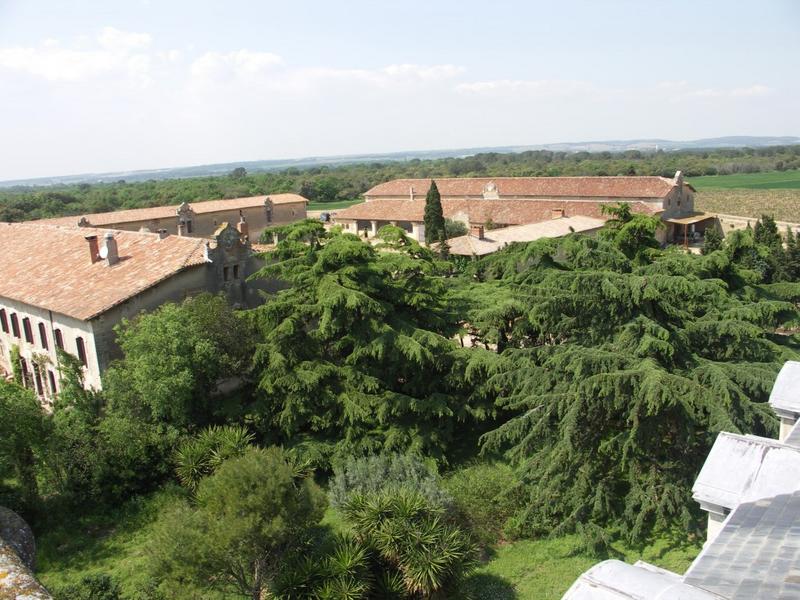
[(476, 231), (94, 255), (411, 192), (242, 225), (678, 179), (110, 252), (162, 233), (557, 213), (181, 229)]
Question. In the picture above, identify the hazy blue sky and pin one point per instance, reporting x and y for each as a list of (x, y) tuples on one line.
[(90, 86)]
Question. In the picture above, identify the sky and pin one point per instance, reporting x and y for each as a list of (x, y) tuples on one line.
[(94, 86)]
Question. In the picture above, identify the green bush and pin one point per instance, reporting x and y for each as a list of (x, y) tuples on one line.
[(385, 472), (486, 497), (92, 587)]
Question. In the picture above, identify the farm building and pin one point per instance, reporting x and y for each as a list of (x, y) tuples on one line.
[(198, 219), (507, 201)]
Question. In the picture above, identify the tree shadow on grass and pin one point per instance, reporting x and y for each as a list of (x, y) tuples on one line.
[(485, 586)]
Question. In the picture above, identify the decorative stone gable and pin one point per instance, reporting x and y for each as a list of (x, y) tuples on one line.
[(490, 191)]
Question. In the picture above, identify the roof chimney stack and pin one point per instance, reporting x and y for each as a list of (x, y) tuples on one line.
[(93, 250), (162, 233), (411, 192), (242, 225), (476, 231), (110, 252)]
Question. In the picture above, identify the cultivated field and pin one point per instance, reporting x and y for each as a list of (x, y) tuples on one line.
[(784, 205), (772, 180)]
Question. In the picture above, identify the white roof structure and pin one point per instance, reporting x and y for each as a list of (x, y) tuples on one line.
[(785, 396), (616, 580), (740, 467), (757, 553), (497, 239)]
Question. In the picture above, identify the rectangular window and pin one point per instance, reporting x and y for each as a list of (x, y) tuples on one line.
[(188, 227), (3, 320), (26, 327), (81, 351), (24, 366), (59, 340), (236, 271), (52, 378), (15, 324), (37, 376), (43, 335), (225, 273)]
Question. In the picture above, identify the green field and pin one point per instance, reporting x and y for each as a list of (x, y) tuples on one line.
[(333, 205), (771, 180)]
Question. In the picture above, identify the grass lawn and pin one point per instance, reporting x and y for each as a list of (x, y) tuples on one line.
[(544, 569), (115, 543), (770, 180), (328, 206)]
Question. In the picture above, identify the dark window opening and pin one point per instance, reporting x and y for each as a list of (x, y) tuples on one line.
[(3, 320), (26, 326), (24, 366), (236, 271), (269, 215), (225, 273), (15, 324), (188, 227), (38, 379), (43, 335), (52, 378), (81, 351), (59, 340)]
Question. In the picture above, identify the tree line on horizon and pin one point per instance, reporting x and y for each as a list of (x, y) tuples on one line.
[(348, 182)]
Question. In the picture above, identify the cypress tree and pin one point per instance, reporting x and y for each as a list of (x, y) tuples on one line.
[(434, 216)]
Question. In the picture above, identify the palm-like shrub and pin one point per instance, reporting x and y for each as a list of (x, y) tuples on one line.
[(201, 455), (412, 543)]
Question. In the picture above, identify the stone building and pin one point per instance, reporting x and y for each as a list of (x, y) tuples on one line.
[(505, 201), (199, 219), (67, 287)]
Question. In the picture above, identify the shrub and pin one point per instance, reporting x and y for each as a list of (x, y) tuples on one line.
[(486, 497), (92, 587), (385, 472)]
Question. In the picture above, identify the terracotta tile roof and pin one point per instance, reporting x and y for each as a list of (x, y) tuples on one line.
[(501, 212), (49, 266), (165, 212), (535, 187), (495, 239)]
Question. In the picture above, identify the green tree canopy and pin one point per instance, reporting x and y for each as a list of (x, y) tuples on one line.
[(618, 376), (357, 354), (248, 515)]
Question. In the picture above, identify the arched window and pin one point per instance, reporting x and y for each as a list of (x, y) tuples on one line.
[(59, 340), (3, 320)]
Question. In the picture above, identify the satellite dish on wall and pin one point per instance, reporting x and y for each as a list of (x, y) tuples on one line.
[(103, 252)]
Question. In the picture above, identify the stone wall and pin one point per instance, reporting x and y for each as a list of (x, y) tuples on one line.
[(17, 555)]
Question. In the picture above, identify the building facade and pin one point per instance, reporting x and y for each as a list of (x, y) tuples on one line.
[(66, 287), (507, 201)]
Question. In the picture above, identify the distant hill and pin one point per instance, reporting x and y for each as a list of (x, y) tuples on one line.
[(644, 145)]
